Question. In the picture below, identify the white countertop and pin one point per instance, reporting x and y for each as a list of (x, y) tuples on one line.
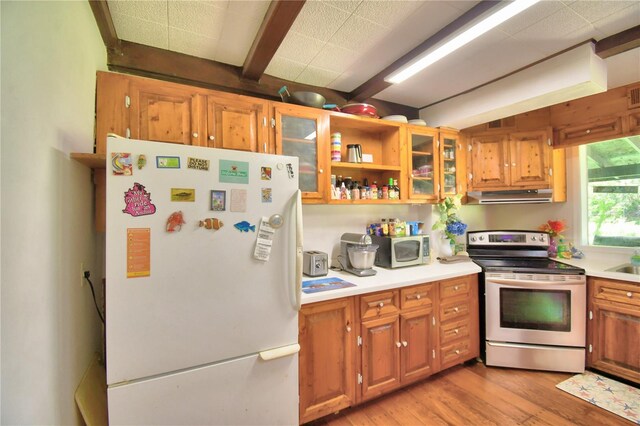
[(390, 278), (596, 266)]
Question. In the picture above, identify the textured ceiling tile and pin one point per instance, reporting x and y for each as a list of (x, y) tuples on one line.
[(155, 11), (285, 69), (346, 5), (319, 20), (191, 44), (593, 11), (140, 31), (621, 20), (334, 58), (535, 13), (197, 17), (299, 47), (553, 27), (358, 34), (387, 13), (316, 76)]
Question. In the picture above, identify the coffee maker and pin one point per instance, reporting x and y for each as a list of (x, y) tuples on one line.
[(357, 254)]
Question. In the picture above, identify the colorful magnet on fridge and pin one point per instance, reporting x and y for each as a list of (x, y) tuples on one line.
[(197, 163), (121, 163), (211, 223), (175, 222), (266, 195), (183, 194), (142, 161), (167, 162), (265, 173), (290, 171), (245, 226), (138, 201)]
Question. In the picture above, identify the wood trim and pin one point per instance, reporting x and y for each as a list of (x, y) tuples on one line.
[(101, 13), (376, 84), (277, 22), (619, 43)]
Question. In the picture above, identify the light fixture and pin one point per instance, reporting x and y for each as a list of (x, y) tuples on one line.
[(491, 21)]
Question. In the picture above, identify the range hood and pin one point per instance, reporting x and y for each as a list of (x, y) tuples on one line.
[(525, 196)]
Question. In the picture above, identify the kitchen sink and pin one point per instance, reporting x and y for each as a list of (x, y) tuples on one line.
[(627, 268)]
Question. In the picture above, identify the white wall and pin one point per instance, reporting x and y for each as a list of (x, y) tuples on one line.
[(50, 330)]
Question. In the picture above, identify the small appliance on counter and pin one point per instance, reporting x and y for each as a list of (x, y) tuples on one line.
[(396, 252), (315, 264), (357, 254)]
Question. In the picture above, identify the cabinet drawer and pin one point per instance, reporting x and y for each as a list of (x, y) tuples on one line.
[(455, 353), (454, 309), (454, 330), (417, 296), (378, 304), (454, 287), (616, 292)]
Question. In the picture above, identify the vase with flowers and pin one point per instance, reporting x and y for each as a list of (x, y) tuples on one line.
[(449, 223), (554, 228)]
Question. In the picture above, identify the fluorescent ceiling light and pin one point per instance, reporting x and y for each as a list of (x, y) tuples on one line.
[(491, 21)]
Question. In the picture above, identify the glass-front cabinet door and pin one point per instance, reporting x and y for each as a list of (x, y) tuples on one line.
[(452, 169), (302, 133), (424, 172)]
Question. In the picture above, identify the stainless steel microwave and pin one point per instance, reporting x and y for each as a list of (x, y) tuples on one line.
[(396, 252)]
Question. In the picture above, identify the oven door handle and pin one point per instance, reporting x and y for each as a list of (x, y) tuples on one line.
[(526, 283)]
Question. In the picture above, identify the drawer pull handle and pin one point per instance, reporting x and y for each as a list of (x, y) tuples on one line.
[(457, 351), (456, 309), (404, 343), (456, 331), (629, 294), (456, 288), (418, 296), (381, 304), (398, 344)]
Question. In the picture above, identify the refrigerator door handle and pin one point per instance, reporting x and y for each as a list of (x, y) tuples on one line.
[(298, 277), (280, 352)]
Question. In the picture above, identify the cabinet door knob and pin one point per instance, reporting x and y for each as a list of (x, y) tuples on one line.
[(398, 344), (211, 137), (348, 329), (404, 343), (321, 171), (506, 164), (629, 294), (513, 164), (195, 134), (588, 131)]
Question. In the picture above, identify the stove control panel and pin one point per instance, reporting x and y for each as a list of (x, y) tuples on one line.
[(508, 238)]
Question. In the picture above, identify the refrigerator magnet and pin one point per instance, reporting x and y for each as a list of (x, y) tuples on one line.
[(138, 252), (175, 222), (245, 226), (218, 200), (238, 200), (267, 195), (290, 171), (167, 162), (121, 163), (197, 163), (183, 194), (142, 161), (234, 171), (265, 173), (211, 223), (138, 201)]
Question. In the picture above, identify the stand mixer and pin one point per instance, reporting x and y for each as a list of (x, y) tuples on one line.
[(357, 254)]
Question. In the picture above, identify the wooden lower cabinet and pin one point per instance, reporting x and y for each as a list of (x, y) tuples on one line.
[(403, 335), (614, 328), (327, 346)]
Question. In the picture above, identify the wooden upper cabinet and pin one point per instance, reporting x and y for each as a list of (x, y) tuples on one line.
[(237, 122), (519, 160), (488, 162), (529, 154), (164, 113), (453, 163)]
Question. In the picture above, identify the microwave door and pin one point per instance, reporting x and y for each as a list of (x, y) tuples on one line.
[(406, 251)]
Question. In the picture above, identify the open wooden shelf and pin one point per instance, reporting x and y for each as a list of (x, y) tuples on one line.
[(94, 161)]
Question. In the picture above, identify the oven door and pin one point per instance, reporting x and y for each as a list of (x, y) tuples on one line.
[(545, 309)]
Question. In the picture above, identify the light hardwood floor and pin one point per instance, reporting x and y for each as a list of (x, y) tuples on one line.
[(478, 395)]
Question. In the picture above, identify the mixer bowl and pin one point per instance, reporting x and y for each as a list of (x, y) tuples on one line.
[(362, 257)]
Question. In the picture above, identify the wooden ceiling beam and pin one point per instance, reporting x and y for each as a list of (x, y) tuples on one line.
[(275, 26), (618, 43), (101, 13), (376, 84)]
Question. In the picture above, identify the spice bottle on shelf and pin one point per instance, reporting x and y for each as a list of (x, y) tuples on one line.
[(396, 189), (385, 227), (385, 192), (374, 191)]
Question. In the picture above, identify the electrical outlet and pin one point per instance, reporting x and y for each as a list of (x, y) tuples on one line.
[(82, 280)]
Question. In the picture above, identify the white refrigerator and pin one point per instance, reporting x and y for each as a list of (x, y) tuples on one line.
[(203, 274)]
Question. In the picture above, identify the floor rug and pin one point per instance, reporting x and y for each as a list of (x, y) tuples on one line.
[(618, 398)]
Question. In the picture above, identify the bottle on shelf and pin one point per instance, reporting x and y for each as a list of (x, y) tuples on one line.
[(374, 190), (396, 189)]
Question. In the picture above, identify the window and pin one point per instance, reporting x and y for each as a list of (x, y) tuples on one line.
[(613, 198)]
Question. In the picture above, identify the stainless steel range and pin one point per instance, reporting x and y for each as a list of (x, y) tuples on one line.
[(534, 307)]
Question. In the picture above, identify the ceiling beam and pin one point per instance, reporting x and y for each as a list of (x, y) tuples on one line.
[(277, 22), (101, 13), (376, 84), (619, 43)]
